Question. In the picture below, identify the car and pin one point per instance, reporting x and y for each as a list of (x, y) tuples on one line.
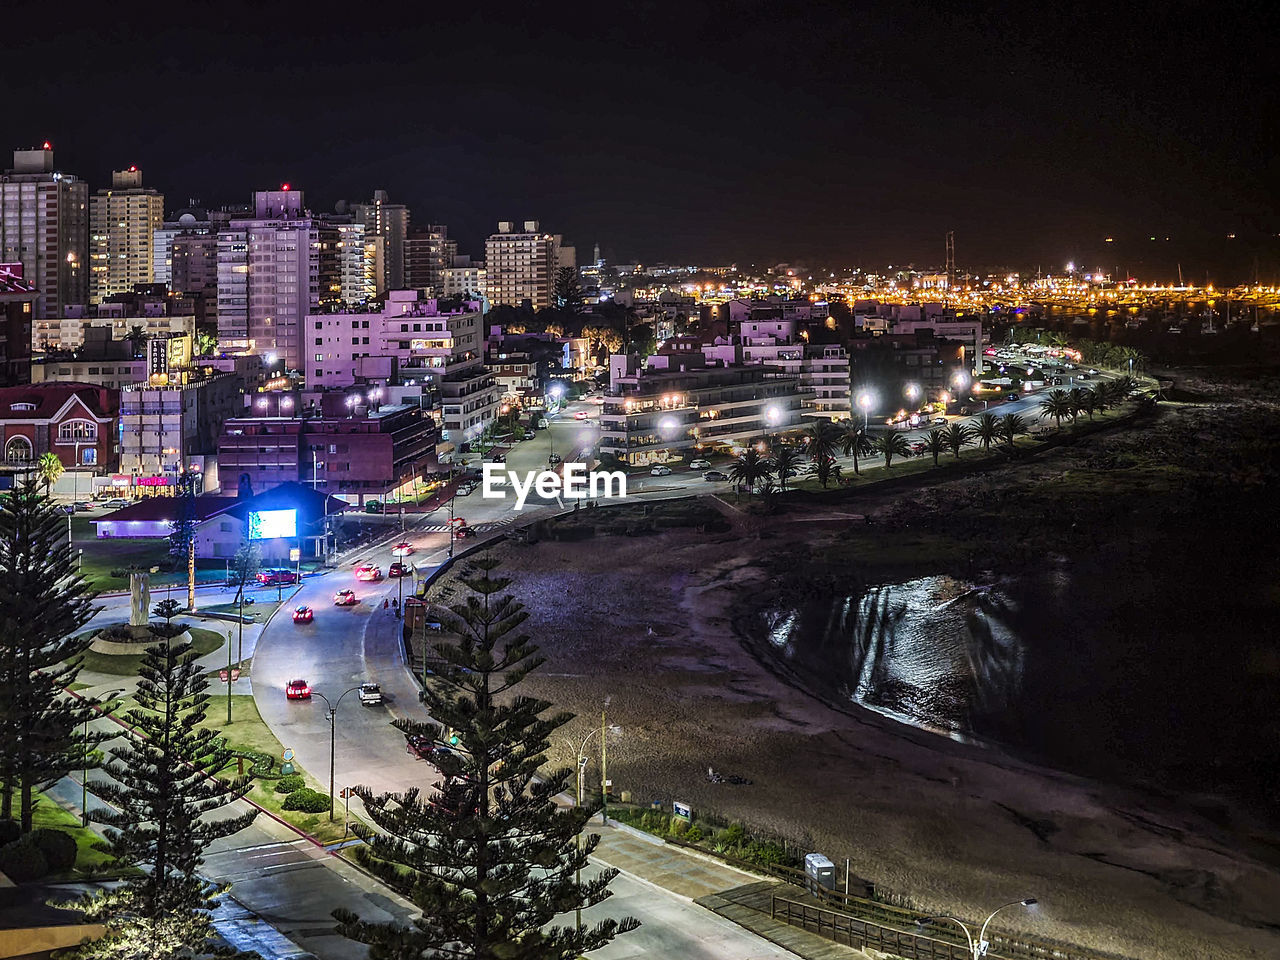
[(370, 694), (554, 458), (499, 458), (465, 489), (1083, 376), (274, 578), (918, 447), (939, 421), (462, 532), (345, 598), (373, 506), (699, 464), (115, 503), (398, 569), (580, 415), (298, 690), (423, 748), (1093, 371), (542, 423), (1011, 397), (715, 475), (82, 505), (402, 550), (660, 471), (1057, 381), (369, 572), (302, 614)]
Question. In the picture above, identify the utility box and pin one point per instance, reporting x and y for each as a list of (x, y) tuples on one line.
[(819, 872)]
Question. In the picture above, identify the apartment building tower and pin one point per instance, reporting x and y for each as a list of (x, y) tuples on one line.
[(122, 226), (44, 225), (521, 265), (390, 221)]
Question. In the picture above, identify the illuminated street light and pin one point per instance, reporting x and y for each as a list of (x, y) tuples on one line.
[(978, 948), (864, 401)]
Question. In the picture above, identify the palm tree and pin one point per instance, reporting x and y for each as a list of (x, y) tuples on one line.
[(935, 443), (1089, 401), (958, 435), (891, 445), (987, 429), (136, 337), (750, 468), (49, 468), (854, 443), (1010, 426), (822, 438), (1056, 405), (786, 464), (1076, 398)]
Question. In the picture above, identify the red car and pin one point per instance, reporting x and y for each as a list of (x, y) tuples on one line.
[(462, 532), (345, 598), (369, 572), (298, 690), (302, 615), (402, 550), (270, 578), (398, 569), (580, 415)]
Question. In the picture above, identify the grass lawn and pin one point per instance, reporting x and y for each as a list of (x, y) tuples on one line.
[(88, 860), (103, 556), (259, 610), (127, 664), (248, 732)]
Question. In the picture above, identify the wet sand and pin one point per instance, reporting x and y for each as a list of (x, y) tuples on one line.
[(648, 623)]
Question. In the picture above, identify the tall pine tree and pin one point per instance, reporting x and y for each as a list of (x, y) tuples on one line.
[(488, 858), (164, 783), (42, 605)]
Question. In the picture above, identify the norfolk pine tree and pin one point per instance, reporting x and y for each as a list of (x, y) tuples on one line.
[(488, 859), (163, 787), (42, 606)]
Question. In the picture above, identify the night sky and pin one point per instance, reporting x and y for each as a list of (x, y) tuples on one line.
[(752, 132)]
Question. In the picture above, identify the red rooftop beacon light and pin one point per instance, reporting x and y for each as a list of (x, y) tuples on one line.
[(47, 145), (284, 186)]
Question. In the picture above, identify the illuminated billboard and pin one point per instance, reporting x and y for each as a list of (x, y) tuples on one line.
[(270, 524)]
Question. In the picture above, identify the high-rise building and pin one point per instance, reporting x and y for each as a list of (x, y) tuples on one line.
[(188, 224), (381, 218), (279, 266), (122, 225), (44, 225), (521, 265), (427, 254), (16, 300)]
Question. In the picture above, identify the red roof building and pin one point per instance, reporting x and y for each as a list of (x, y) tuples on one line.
[(77, 421)]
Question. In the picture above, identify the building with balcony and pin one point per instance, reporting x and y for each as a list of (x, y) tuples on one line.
[(680, 402), (122, 226), (521, 265), (164, 428)]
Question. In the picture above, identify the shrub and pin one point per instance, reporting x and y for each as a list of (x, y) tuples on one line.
[(307, 801), (10, 830), (117, 633), (290, 784), (694, 834), (23, 861), (678, 827), (734, 835), (59, 848)]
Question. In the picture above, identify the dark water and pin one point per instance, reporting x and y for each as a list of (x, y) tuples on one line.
[(1131, 678)]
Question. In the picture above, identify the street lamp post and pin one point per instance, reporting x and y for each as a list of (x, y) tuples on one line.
[(333, 740), (451, 530), (978, 948), (864, 401)]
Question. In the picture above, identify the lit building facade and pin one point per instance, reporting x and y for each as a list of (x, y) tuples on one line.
[(521, 265), (122, 226), (44, 225), (390, 221)]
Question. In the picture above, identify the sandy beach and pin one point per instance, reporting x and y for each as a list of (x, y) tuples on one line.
[(647, 622)]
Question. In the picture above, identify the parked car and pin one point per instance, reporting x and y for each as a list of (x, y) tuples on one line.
[(918, 447), (715, 475), (302, 614), (298, 690), (402, 550), (542, 423), (699, 464), (660, 471), (398, 569), (115, 503), (345, 598), (554, 458), (373, 506), (465, 489), (370, 694), (272, 578), (425, 748), (499, 458), (82, 505), (369, 573)]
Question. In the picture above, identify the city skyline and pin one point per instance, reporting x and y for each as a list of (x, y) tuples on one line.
[(805, 133)]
